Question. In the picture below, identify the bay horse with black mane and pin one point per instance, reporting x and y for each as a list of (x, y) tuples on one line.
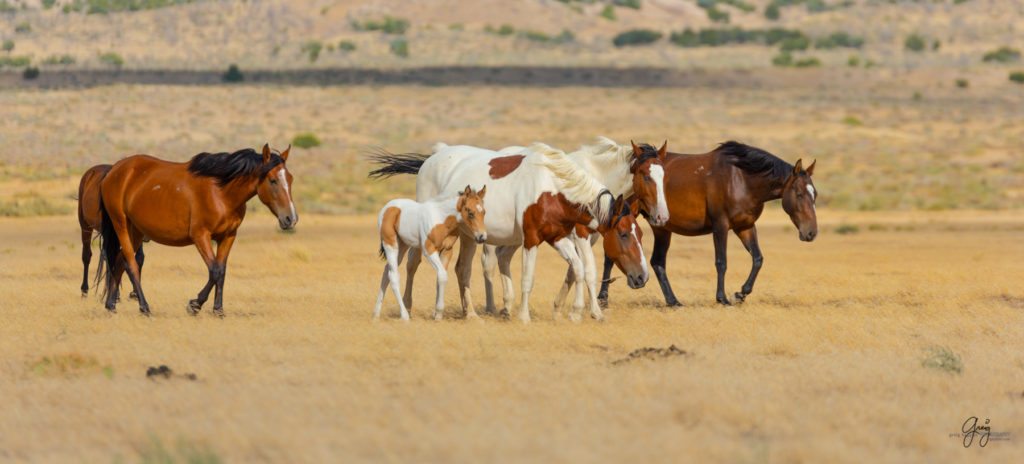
[(724, 190), (181, 204), (90, 220)]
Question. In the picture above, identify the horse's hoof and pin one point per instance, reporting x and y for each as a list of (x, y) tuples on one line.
[(133, 296), (724, 301), (602, 302), (144, 311), (673, 303), (111, 310), (575, 317), (738, 297), (219, 312), (193, 307), (504, 314)]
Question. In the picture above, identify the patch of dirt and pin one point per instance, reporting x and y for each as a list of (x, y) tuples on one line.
[(651, 353), (166, 372)]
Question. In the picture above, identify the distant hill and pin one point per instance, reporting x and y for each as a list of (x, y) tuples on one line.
[(280, 34)]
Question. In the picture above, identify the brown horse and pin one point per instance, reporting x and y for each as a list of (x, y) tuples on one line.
[(181, 204), (726, 190), (89, 220)]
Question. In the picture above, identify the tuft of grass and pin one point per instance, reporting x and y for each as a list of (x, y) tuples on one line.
[(808, 62), (312, 48), (1017, 76), (306, 140), (1002, 55), (847, 229), (23, 28), (943, 358), (185, 453), (112, 59), (8, 45), (68, 364), (914, 43), (853, 61), (608, 13), (852, 121), (389, 25), (400, 47), (962, 83), (346, 46)]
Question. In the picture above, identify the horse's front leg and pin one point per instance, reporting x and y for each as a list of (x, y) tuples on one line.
[(393, 256), (223, 248), (463, 269), (488, 261), (662, 240), (567, 250), (140, 258), (720, 235), (529, 259), (505, 254), (749, 239), (442, 279), (205, 248), (585, 248)]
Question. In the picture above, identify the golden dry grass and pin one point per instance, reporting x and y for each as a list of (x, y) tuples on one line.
[(822, 364)]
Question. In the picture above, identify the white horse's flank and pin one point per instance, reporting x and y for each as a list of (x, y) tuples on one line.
[(542, 169), (608, 163), (431, 227)]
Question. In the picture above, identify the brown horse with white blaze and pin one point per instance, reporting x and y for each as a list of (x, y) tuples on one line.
[(724, 190), (190, 203)]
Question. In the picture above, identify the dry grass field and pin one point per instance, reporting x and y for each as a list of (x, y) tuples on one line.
[(823, 363)]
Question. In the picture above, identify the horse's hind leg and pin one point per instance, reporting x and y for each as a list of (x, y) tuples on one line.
[(415, 255), (394, 259), (86, 257), (129, 239), (205, 248), (442, 279), (749, 239), (602, 297), (567, 250), (505, 254), (140, 258), (223, 248)]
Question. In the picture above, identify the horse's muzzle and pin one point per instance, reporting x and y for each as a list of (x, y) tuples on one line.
[(808, 236), (288, 222), (637, 281), (480, 238)]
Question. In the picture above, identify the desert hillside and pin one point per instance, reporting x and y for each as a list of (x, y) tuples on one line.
[(280, 34)]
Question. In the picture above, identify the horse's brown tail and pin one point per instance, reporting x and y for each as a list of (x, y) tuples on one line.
[(110, 246), (392, 164), (380, 252)]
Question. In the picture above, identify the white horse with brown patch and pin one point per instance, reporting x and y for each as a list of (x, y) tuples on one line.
[(537, 196), (431, 227)]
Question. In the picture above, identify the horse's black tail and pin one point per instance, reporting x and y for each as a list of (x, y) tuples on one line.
[(110, 246), (391, 164)]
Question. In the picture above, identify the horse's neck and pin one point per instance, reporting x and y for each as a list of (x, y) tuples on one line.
[(609, 169), (766, 188), (239, 191), (440, 210)]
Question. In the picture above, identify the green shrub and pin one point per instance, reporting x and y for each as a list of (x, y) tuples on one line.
[(772, 12), (852, 121), (961, 83), (389, 25), (636, 37), (740, 4), (114, 6), (400, 47), (565, 36), (795, 43), (30, 73), (23, 28), (1017, 76), (8, 45), (634, 4), (233, 74), (536, 36), (838, 39), (47, 4), (816, 6), (608, 13), (808, 62), (716, 15), (456, 27), (783, 59), (306, 140), (914, 43), (112, 59), (853, 61), (14, 61), (346, 45), (312, 48), (1002, 55)]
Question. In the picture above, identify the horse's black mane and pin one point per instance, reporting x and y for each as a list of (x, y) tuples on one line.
[(646, 152), (226, 167), (754, 160)]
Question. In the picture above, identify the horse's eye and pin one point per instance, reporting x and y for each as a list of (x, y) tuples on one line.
[(472, 215), (648, 178), (273, 181), (624, 235)]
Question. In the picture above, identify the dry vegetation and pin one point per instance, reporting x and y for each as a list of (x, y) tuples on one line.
[(823, 363)]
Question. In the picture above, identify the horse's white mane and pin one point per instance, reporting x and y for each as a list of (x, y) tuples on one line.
[(578, 185), (606, 147)]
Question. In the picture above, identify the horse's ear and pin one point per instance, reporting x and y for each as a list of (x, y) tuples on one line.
[(810, 169), (634, 207), (619, 204), (636, 150), (482, 192), (798, 167), (284, 154), (266, 153), (662, 151), (467, 191)]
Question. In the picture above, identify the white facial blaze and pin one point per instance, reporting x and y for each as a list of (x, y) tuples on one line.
[(643, 259), (658, 174), (284, 182), (810, 189)]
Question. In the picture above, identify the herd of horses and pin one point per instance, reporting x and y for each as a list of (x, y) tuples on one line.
[(515, 197)]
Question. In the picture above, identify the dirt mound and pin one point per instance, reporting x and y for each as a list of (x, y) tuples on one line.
[(166, 372), (652, 354)]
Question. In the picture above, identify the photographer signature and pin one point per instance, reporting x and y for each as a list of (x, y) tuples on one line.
[(971, 428)]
